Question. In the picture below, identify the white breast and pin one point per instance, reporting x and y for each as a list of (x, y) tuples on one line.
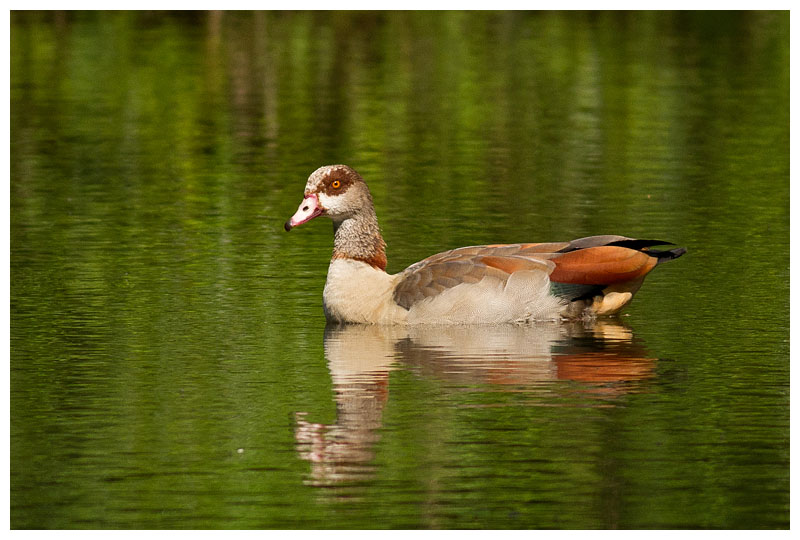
[(355, 292)]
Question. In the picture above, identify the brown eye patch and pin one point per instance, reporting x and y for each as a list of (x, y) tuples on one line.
[(337, 181)]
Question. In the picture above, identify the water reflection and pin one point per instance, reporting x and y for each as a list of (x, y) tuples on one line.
[(603, 357)]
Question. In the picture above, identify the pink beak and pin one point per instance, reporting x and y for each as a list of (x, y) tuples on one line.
[(308, 210)]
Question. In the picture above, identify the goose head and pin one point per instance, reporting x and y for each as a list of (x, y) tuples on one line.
[(336, 191)]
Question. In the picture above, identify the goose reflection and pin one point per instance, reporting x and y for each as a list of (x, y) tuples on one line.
[(603, 355)]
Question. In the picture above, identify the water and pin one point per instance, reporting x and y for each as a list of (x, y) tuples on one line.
[(170, 363)]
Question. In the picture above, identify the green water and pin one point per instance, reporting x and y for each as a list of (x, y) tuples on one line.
[(170, 364)]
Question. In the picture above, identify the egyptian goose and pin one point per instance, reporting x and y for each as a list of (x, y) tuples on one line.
[(597, 275)]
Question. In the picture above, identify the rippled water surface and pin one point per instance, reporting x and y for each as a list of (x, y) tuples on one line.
[(170, 362)]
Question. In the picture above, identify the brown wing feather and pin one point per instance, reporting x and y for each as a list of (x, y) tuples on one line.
[(443, 271), (512, 263), (603, 265)]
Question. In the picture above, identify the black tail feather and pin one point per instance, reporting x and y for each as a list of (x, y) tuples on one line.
[(630, 243), (667, 255), (639, 244)]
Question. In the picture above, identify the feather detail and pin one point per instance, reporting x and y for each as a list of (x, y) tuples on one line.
[(443, 271)]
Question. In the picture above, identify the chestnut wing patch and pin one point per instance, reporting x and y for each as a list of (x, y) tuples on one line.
[(604, 265)]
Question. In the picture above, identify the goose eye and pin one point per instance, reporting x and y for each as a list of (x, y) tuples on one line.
[(336, 184)]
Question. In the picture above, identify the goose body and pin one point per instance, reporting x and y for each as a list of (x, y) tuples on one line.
[(501, 283)]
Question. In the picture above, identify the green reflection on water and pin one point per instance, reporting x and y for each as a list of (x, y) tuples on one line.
[(161, 320)]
